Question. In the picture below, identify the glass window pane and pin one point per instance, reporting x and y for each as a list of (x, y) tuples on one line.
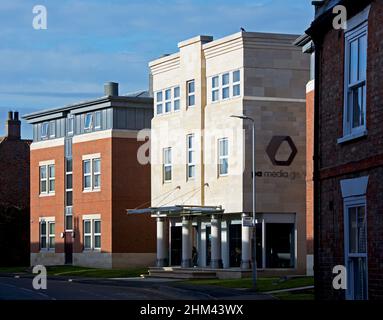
[(87, 166), (69, 166), (176, 92), (52, 129), (225, 93), (225, 79), (176, 105), (43, 172), (236, 90), (97, 242), (69, 222), (159, 108), (168, 106), (87, 242), (88, 121), (51, 185), (236, 76), (191, 87), (362, 236), (352, 231), (191, 101), (362, 57), (43, 186), (97, 226), (215, 82), (69, 181), (51, 228), (191, 171), (159, 96), (43, 243), (168, 173), (354, 61), (87, 182), (43, 228), (168, 94), (86, 226), (51, 171), (97, 165), (215, 95), (69, 198), (98, 119), (97, 181)]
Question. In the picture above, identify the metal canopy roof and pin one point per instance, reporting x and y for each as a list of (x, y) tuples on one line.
[(179, 211)]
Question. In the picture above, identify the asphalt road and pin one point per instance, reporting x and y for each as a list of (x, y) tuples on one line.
[(12, 288)]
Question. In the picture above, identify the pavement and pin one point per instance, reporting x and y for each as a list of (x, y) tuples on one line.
[(19, 287)]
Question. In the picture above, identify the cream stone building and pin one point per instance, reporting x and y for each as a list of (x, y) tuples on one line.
[(201, 162)]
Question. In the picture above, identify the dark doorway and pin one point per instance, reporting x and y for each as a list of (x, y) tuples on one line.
[(68, 248), (280, 245), (235, 245), (176, 246), (208, 246)]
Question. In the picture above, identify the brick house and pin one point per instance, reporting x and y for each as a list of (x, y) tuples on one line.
[(84, 174), (14, 193), (348, 149)]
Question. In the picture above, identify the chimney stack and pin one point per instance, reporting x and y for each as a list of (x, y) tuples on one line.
[(111, 89), (13, 126)]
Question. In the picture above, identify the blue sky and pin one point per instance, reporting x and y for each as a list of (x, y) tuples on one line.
[(89, 42)]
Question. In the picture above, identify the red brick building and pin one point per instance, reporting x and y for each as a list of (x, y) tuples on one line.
[(14, 193), (84, 175), (348, 149)]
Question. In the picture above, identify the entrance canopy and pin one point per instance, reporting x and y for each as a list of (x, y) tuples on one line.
[(179, 211)]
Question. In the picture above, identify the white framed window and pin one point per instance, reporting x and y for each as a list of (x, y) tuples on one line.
[(354, 114), (215, 88), (159, 106), (91, 173), (88, 122), (97, 120), (177, 96), (52, 129), (190, 86), (92, 234), (236, 83), (47, 179), (168, 100), (190, 140), (69, 195), (70, 125), (225, 79), (167, 167), (356, 247), (223, 157), (47, 234), (44, 130)]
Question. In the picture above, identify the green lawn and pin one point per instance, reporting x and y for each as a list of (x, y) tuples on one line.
[(71, 271), (299, 295), (263, 284)]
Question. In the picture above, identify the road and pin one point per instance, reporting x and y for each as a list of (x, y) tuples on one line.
[(12, 288)]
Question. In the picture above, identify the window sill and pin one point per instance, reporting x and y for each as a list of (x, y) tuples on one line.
[(91, 191), (45, 195), (352, 136)]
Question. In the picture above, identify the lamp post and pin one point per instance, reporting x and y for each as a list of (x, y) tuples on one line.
[(253, 242)]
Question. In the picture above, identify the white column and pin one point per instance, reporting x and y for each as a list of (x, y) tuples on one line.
[(162, 253), (186, 242), (246, 248), (216, 253)]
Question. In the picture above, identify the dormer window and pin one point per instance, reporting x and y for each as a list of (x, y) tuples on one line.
[(44, 130), (88, 125)]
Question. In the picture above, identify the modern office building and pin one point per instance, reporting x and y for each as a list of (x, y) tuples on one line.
[(84, 174), (348, 142), (201, 157), (14, 194)]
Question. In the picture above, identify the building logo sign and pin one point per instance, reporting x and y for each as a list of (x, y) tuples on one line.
[(274, 146)]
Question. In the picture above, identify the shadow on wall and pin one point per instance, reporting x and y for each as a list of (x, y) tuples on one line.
[(14, 237)]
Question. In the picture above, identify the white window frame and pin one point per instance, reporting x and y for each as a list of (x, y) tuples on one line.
[(168, 100), (44, 130), (48, 235), (177, 98), (236, 83), (358, 27), (215, 89), (97, 126), (159, 102), (349, 203), (92, 219), (190, 162), (225, 86), (167, 165), (190, 93), (48, 178), (52, 129), (223, 157), (90, 127), (92, 174), (70, 125)]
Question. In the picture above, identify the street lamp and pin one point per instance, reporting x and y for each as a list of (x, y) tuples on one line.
[(253, 242)]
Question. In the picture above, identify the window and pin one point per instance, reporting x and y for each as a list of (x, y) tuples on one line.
[(236, 83), (355, 81), (223, 157), (88, 122), (225, 86), (191, 93), (159, 102), (69, 195), (44, 130), (356, 248), (92, 174), (190, 156), (70, 126), (215, 89), (47, 179), (92, 234), (52, 129), (167, 165), (47, 235), (177, 99), (97, 120), (168, 100)]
